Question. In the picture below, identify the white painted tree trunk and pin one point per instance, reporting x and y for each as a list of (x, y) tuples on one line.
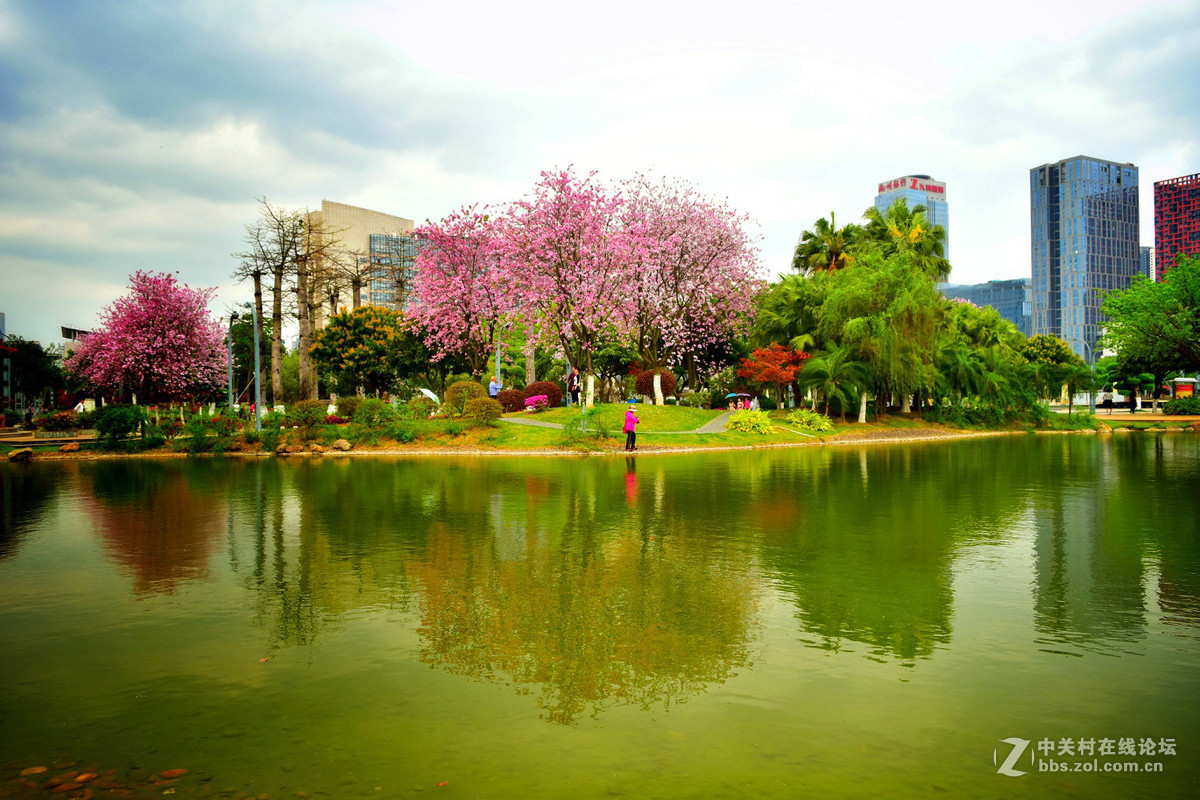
[(862, 409)]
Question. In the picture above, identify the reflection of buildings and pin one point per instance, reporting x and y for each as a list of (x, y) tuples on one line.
[(1084, 218), (1012, 299), (1089, 570)]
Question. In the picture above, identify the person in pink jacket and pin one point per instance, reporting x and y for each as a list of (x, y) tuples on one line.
[(631, 422)]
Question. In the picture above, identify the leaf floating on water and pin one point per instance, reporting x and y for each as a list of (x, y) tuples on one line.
[(33, 771), (264, 660), (172, 773), (443, 783)]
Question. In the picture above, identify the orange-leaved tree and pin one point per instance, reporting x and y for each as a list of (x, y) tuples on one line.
[(776, 364)]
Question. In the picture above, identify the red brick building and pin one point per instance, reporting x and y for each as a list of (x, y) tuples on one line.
[(1176, 220)]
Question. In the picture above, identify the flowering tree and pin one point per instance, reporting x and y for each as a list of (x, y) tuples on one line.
[(695, 281), (360, 348), (158, 341), (571, 261), (773, 364), (462, 287)]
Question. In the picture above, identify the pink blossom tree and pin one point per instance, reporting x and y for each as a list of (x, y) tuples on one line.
[(696, 279), (462, 287), (570, 258), (157, 341)]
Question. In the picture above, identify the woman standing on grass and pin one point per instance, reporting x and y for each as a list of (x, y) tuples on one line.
[(631, 421)]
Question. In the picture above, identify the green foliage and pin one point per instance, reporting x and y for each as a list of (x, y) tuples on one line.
[(270, 437), (483, 410), (360, 348), (273, 420), (375, 413), (346, 406), (901, 231), (807, 420), (767, 404), (402, 430), (115, 422), (988, 414), (1182, 405), (307, 414), (826, 247), (58, 421), (1156, 324), (460, 393), (421, 406), (697, 400), (750, 422)]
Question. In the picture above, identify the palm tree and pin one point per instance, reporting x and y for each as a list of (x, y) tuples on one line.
[(835, 373), (904, 230), (826, 247)]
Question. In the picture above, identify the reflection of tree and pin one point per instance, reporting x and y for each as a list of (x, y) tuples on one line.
[(25, 493), (160, 521), (627, 621)]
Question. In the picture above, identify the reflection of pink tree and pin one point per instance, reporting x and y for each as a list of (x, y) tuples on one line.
[(462, 286), (696, 282), (571, 261), (156, 340)]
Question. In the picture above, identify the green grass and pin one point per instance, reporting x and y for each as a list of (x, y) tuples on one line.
[(653, 418)]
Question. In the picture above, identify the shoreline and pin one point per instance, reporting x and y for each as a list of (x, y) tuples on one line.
[(871, 437)]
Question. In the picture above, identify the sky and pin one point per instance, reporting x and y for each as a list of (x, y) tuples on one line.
[(139, 135)]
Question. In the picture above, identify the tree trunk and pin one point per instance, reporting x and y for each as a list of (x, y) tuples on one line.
[(862, 408), (692, 373), (356, 291), (304, 318), (277, 335), (905, 403), (258, 305), (530, 366)]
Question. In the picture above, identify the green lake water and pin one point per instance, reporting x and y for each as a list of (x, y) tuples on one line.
[(830, 622)]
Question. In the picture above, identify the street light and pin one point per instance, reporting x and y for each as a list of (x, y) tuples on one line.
[(232, 319)]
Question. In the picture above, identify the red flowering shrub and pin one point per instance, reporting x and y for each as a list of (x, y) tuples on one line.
[(645, 382), (512, 400), (334, 419), (552, 391)]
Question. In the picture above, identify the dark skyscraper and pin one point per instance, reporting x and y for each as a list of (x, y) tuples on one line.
[(1084, 218)]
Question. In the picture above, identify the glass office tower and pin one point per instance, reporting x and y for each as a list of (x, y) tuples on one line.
[(918, 190), (1084, 220)]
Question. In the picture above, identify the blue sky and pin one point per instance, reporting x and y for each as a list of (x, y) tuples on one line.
[(138, 135)]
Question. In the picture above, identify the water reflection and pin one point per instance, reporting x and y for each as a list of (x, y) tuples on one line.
[(160, 521), (26, 491)]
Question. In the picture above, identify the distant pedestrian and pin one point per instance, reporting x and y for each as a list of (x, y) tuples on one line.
[(1107, 402), (573, 386), (1133, 398), (631, 421), (494, 387)]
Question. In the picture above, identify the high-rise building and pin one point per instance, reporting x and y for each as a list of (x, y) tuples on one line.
[(1146, 262), (380, 247), (1013, 299), (918, 190), (5, 368), (1176, 220), (1084, 220)]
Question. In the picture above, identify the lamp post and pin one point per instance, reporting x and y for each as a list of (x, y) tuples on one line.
[(1088, 354), (232, 319)]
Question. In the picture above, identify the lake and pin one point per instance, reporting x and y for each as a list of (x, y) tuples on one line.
[(982, 618)]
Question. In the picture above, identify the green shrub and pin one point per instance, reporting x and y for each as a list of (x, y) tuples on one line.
[(767, 404), (58, 421), (1182, 405), (346, 406), (453, 428), (459, 394), (404, 430), (116, 421), (273, 420), (359, 433), (483, 410), (750, 422), (375, 413), (697, 400), (421, 406), (307, 414), (807, 420), (270, 438)]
